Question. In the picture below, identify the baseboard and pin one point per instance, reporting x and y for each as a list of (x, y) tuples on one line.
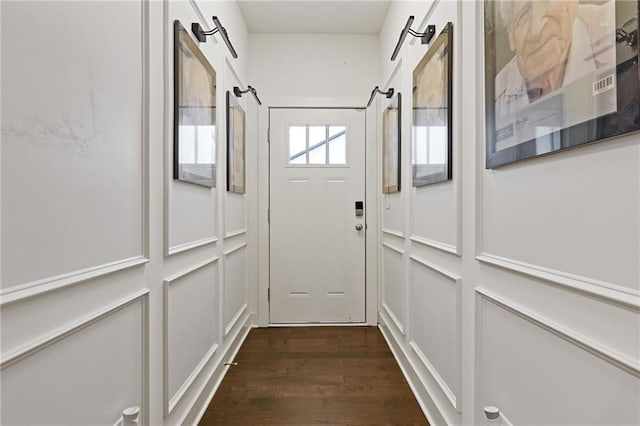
[(235, 339), (428, 406)]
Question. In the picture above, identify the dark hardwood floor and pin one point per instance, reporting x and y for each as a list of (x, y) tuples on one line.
[(314, 375)]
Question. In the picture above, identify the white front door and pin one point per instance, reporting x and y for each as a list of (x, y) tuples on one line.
[(317, 239)]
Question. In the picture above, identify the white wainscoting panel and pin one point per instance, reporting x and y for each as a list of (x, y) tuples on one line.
[(235, 286), (434, 217), (393, 216), (393, 300), (571, 211), (194, 226), (235, 216), (72, 181), (573, 380), (434, 324), (58, 371), (191, 211), (191, 327)]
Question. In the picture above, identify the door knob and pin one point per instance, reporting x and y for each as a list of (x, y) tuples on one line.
[(359, 227)]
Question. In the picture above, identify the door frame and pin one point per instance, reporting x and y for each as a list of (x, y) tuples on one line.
[(372, 196)]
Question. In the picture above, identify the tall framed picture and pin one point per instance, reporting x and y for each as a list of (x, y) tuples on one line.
[(391, 149), (194, 113), (235, 145), (431, 157), (558, 74)]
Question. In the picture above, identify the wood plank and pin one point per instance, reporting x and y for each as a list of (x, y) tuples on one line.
[(314, 375)]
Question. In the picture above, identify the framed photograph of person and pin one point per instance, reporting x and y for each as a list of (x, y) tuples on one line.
[(431, 155), (235, 145), (391, 140), (558, 74), (194, 113)]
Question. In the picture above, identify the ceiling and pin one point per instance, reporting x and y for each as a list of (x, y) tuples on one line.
[(314, 17)]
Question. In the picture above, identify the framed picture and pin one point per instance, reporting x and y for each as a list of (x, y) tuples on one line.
[(554, 87), (431, 157), (194, 113), (235, 145), (391, 146)]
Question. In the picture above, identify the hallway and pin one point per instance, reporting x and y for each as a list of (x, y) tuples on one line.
[(314, 375), (182, 180)]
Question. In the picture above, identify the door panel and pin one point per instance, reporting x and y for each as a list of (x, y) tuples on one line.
[(317, 166)]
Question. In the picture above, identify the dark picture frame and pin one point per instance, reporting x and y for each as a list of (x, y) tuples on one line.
[(194, 112), (538, 103), (236, 145), (391, 145), (432, 138)]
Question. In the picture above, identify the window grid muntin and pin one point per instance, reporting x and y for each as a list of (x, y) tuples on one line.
[(326, 144)]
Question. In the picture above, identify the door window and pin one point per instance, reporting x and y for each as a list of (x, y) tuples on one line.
[(315, 145)]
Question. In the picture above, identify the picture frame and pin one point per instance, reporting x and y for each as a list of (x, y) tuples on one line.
[(391, 145), (432, 131), (581, 86), (194, 113), (236, 145)]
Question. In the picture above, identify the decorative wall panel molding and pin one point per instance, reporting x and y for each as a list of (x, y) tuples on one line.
[(605, 291), (434, 410), (37, 288), (456, 282), (393, 233), (234, 320), (229, 350), (392, 248), (171, 401), (625, 363), (234, 234), (85, 330), (170, 404), (434, 373), (40, 344), (393, 318), (242, 306), (388, 310), (447, 248), (181, 248)]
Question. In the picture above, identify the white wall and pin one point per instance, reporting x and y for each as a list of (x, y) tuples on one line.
[(314, 65), (120, 286), (520, 284)]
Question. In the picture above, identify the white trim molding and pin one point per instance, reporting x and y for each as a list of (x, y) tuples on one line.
[(234, 249), (170, 402), (228, 354), (394, 319), (456, 281), (434, 373), (170, 279), (234, 320), (181, 248), (447, 248), (236, 233), (431, 408), (36, 288), (606, 291), (392, 248), (42, 343), (615, 358), (448, 275), (392, 232)]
